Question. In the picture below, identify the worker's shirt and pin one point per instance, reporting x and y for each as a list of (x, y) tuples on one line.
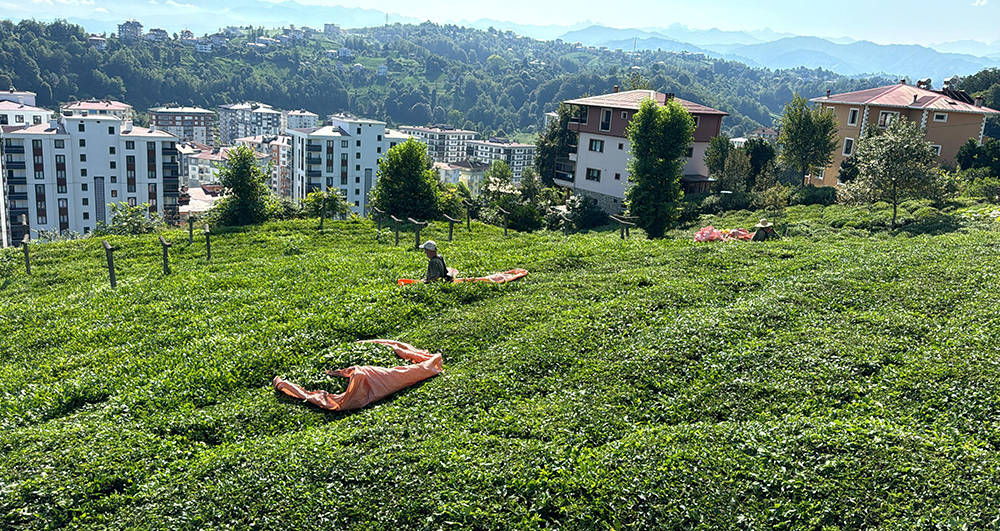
[(436, 269)]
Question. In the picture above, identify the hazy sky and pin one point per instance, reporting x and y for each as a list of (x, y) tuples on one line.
[(881, 21)]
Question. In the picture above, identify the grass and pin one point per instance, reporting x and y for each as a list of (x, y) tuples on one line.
[(845, 384)]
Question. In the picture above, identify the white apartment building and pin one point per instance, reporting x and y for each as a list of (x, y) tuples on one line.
[(23, 97), (343, 156), (300, 119), (98, 108), (192, 124), (62, 174), (130, 30), (247, 119), (279, 152), (517, 156), (203, 167), (14, 113), (444, 142)]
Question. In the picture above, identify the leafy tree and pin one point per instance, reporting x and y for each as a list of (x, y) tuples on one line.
[(336, 205), (129, 220), (247, 194), (762, 157), (636, 81), (553, 143), (530, 185), (736, 172), (808, 135), (894, 165), (716, 153), (660, 138), (406, 186)]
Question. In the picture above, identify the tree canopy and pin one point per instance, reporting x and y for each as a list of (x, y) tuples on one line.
[(808, 135), (406, 185), (247, 193)]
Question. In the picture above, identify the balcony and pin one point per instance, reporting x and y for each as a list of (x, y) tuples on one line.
[(14, 164), (314, 161), (314, 173), (14, 150), (170, 152), (314, 148), (18, 196), (171, 166), (564, 176)]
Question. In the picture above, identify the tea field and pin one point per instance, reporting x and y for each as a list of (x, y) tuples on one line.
[(815, 383)]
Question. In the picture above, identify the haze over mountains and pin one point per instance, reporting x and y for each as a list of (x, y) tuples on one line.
[(764, 48)]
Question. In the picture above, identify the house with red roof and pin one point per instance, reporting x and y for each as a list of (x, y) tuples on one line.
[(599, 168), (949, 119)]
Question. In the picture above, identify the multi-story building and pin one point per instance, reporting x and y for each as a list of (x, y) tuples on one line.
[(247, 119), (517, 156), (98, 108), (765, 133), (130, 30), (343, 155), (192, 124), (204, 166), (14, 113), (444, 142), (98, 41), (599, 167), (279, 151), (157, 35), (61, 175), (26, 98), (331, 30), (300, 119), (949, 118)]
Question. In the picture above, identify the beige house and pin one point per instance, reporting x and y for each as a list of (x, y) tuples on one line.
[(949, 119)]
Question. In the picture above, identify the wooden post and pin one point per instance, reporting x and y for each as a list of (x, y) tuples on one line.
[(451, 225), (322, 213), (110, 252), (417, 225), (190, 229), (395, 226), (624, 224), (208, 243), (378, 217), (27, 258), (565, 224), (166, 263), (468, 214), (505, 214)]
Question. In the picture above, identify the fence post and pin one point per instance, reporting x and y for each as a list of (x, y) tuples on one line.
[(468, 214), (451, 225), (110, 252), (190, 229), (624, 224), (565, 224), (208, 243), (27, 258), (417, 225), (378, 217), (395, 226), (166, 263), (505, 214), (322, 213)]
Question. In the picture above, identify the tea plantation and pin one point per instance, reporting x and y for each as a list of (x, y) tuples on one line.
[(834, 383)]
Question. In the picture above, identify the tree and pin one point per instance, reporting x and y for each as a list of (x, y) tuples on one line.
[(406, 186), (129, 220), (808, 135), (762, 156), (716, 154), (247, 194), (336, 205), (735, 173), (893, 166), (660, 138), (553, 143), (531, 186)]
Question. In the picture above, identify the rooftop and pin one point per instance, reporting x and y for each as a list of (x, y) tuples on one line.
[(96, 105), (8, 106), (631, 99), (181, 110), (906, 97), (437, 129)]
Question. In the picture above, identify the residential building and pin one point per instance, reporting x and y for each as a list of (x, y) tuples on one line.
[(187, 35), (279, 152), (98, 41), (517, 156), (157, 35), (98, 108), (300, 119), (219, 39), (331, 30), (204, 166), (383, 71), (599, 168), (234, 31), (949, 118), (130, 31), (186, 123), (19, 114), (62, 174), (343, 155), (444, 142), (185, 151), (344, 53), (247, 119), (765, 133), (17, 96), (203, 46)]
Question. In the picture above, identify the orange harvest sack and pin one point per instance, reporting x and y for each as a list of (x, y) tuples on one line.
[(367, 383), (496, 278)]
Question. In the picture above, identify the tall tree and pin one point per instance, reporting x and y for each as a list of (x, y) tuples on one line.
[(716, 154), (247, 193), (406, 186), (894, 165), (553, 143), (660, 138), (762, 156), (808, 135)]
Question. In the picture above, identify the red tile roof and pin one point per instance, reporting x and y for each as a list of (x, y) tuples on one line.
[(631, 99), (94, 105), (904, 96)]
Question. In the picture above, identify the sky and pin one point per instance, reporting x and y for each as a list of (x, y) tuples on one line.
[(884, 22)]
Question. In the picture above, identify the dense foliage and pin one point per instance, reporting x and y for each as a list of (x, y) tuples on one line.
[(808, 135), (247, 196), (823, 381), (490, 81), (406, 185)]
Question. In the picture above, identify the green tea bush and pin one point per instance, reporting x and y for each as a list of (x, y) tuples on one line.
[(813, 195)]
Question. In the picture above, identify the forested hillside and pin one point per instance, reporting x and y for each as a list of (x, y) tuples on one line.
[(491, 81)]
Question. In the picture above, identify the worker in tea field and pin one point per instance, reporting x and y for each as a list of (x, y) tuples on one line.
[(436, 268), (765, 231)]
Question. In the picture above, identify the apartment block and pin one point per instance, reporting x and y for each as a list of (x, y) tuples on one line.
[(444, 142), (279, 152), (247, 119), (22, 97), (61, 175), (13, 113), (599, 168), (949, 118), (130, 30), (517, 156), (98, 108), (203, 167), (300, 119), (190, 124)]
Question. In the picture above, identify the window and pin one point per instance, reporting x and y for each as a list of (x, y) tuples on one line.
[(357, 191), (151, 146), (3, 119), (60, 159), (359, 143), (690, 153), (937, 150), (114, 178), (83, 142), (356, 203), (114, 193), (618, 176), (37, 160), (848, 147), (19, 119), (357, 179), (43, 220), (83, 157), (63, 203), (379, 138), (886, 117), (593, 175), (130, 144), (86, 230), (357, 155), (111, 129), (80, 127), (359, 130), (131, 201), (152, 174), (697, 121), (114, 165), (83, 187), (131, 189), (378, 149), (40, 190), (61, 189), (357, 167), (579, 115), (111, 150), (86, 216), (60, 144), (36, 120), (129, 159), (606, 120), (86, 202), (597, 145), (940, 117), (83, 173), (624, 115), (344, 143), (852, 117)]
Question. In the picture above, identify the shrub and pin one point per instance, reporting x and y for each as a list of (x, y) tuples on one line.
[(585, 213), (813, 195)]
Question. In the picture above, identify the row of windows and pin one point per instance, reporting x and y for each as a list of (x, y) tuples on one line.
[(19, 119)]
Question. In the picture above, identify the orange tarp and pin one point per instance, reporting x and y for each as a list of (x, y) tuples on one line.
[(496, 278), (367, 383)]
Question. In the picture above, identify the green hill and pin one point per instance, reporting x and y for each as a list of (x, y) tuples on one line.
[(842, 383)]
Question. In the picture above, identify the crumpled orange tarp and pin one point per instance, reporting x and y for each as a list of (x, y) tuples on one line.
[(711, 234), (368, 383), (496, 278)]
